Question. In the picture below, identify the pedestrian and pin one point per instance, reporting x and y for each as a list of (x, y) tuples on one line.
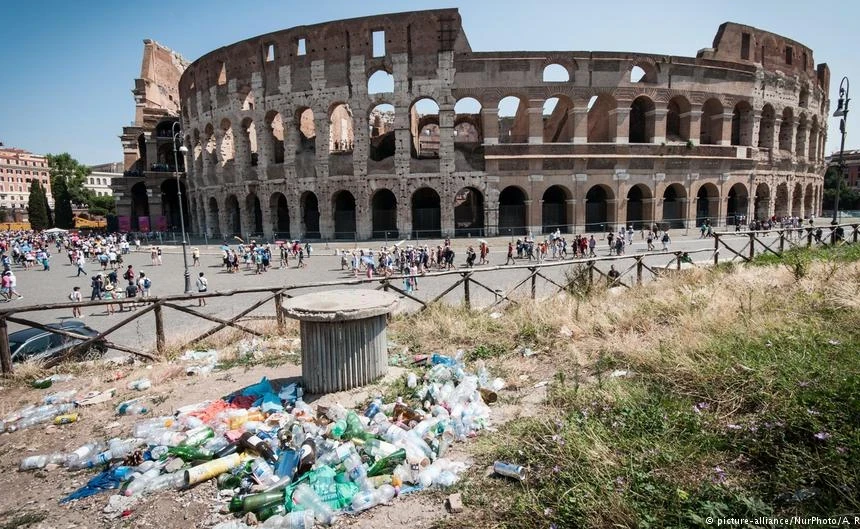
[(75, 297), (665, 241), (143, 285), (158, 255), (131, 293), (13, 282), (109, 295), (153, 256), (301, 258), (202, 287), (80, 262), (129, 274), (510, 259), (195, 256), (614, 276), (96, 283)]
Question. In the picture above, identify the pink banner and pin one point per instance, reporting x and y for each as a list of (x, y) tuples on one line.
[(124, 223), (143, 224), (159, 222)]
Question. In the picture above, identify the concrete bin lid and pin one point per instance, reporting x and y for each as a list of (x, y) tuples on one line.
[(340, 305)]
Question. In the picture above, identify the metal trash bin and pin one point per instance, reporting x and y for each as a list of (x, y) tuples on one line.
[(343, 334)]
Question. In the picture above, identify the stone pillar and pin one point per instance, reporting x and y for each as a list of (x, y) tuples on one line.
[(265, 147), (363, 216), (242, 155), (720, 207), (726, 124), (535, 218), (219, 153), (208, 170), (326, 215), (790, 132), (657, 217), (579, 118), (579, 212), (246, 216), (490, 121), (648, 210), (659, 117), (611, 215), (622, 124), (446, 142), (268, 225), (695, 125), (569, 206), (446, 207), (802, 139), (535, 120), (756, 129), (530, 226)]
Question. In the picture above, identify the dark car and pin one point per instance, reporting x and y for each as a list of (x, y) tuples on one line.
[(40, 345)]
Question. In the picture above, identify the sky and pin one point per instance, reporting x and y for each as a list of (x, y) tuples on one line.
[(68, 67)]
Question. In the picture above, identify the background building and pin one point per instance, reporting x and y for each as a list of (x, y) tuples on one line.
[(852, 166), (17, 169), (101, 177)]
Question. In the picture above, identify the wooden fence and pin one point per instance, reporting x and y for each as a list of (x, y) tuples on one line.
[(633, 270)]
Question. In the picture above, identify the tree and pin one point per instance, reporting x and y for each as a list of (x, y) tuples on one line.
[(67, 179), (37, 207), (103, 205), (848, 197)]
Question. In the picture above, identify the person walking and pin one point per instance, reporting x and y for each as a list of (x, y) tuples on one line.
[(202, 287), (158, 256), (80, 262), (510, 259), (13, 282), (195, 256), (143, 285), (75, 297)]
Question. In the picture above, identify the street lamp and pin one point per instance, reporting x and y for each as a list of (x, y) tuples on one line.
[(177, 134), (841, 112)]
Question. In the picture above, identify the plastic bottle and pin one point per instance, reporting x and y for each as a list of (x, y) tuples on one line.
[(190, 453), (378, 449), (354, 427), (198, 436), (60, 397), (335, 412), (293, 520), (307, 457), (334, 457), (117, 449), (438, 359), (41, 461), (411, 380), (165, 481), (370, 498), (298, 436), (337, 429), (140, 384), (139, 483), (356, 470), (307, 499), (132, 407), (79, 458), (374, 408), (143, 428), (387, 464), (67, 418), (302, 411), (263, 472)]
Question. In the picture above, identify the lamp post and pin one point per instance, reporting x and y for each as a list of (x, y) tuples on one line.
[(177, 134), (841, 112)]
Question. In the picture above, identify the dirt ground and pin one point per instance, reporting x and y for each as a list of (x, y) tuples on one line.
[(31, 498)]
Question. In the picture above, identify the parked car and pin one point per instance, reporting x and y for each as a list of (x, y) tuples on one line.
[(40, 345)]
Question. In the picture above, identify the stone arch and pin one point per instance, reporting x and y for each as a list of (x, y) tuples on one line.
[(426, 213), (381, 125), (601, 125), (513, 211), (170, 203), (766, 127), (214, 216), (554, 209), (557, 124), (639, 212), (275, 136), (469, 212), (227, 149), (139, 204), (210, 151), (800, 136), (814, 132), (307, 131), (280, 212), (742, 124), (255, 212), (796, 199), (737, 203), (341, 132), (761, 203), (786, 129), (678, 119), (599, 215), (468, 125), (197, 153), (555, 73), (343, 210), (643, 71), (310, 215), (424, 128), (712, 122), (803, 98), (513, 120), (808, 201), (781, 205), (641, 120), (380, 82), (707, 204), (249, 141), (234, 218), (674, 206), (383, 207)]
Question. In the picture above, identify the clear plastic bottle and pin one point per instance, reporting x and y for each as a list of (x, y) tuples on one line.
[(41, 461), (139, 484), (337, 455), (60, 397), (306, 498), (411, 380), (293, 520), (143, 428), (79, 458), (372, 497), (356, 470)]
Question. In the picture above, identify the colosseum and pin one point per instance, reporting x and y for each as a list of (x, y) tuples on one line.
[(391, 126)]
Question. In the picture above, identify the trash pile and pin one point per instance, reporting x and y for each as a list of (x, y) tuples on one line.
[(274, 455)]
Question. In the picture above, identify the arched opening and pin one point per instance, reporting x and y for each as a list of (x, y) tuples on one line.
[(808, 201), (512, 211), (737, 204), (343, 207), (712, 123), (796, 200), (557, 125), (426, 213), (800, 137), (170, 204), (554, 210), (555, 73), (139, 205), (598, 214), (803, 99), (164, 158), (210, 152), (678, 119), (252, 204), (380, 82), (812, 154), (466, 132), (424, 128), (468, 135), (307, 131), (707, 204), (780, 207), (602, 126), (197, 153), (641, 120), (275, 133), (249, 140), (742, 124), (513, 120), (341, 135), (381, 123), (468, 212), (212, 224), (786, 130), (636, 74), (674, 200), (227, 149), (384, 214), (761, 203), (310, 215), (280, 215), (638, 210), (234, 222), (766, 126)]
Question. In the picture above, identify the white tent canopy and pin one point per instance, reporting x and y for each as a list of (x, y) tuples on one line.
[(56, 230)]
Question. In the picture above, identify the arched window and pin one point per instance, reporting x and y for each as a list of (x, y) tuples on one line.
[(555, 73), (712, 123), (381, 125), (381, 82), (424, 128), (513, 121), (557, 127), (341, 134), (641, 120), (678, 119)]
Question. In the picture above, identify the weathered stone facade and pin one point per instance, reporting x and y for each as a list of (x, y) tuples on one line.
[(512, 141)]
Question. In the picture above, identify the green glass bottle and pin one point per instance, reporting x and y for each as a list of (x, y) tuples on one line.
[(255, 502), (271, 510), (354, 428), (387, 464), (190, 453), (198, 436)]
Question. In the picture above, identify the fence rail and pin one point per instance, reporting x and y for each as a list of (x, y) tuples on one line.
[(633, 271)]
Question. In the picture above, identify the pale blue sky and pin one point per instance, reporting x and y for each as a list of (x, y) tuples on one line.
[(68, 67)]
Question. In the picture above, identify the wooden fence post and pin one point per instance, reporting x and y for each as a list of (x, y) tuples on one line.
[(467, 301), (591, 274), (159, 330), (809, 237), (639, 267), (5, 353), (854, 227), (279, 312), (716, 249), (678, 260), (781, 241), (752, 245), (534, 283)]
